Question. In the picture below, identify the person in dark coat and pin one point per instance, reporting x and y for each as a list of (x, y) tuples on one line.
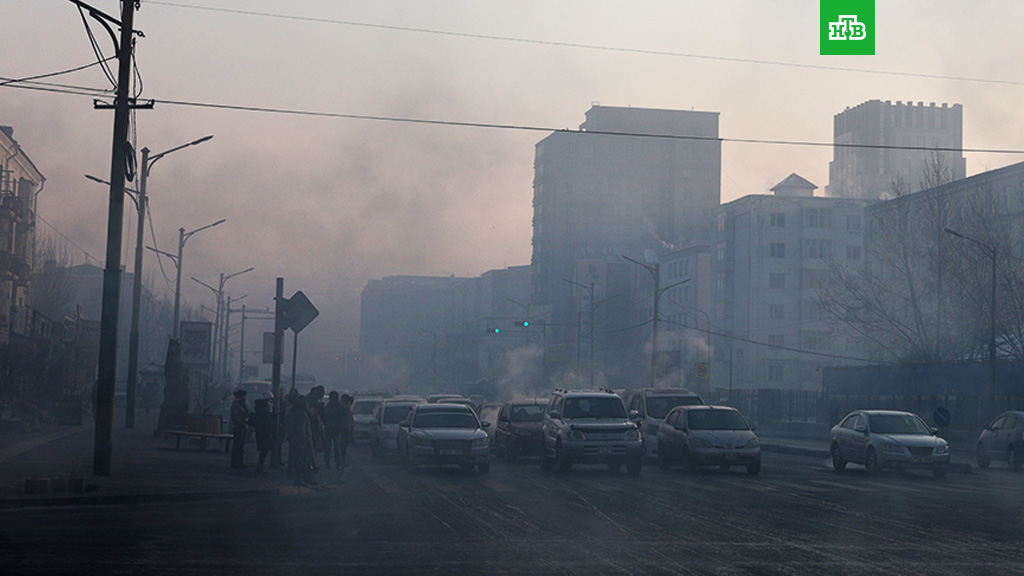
[(316, 421), (333, 416), (239, 422), (263, 422)]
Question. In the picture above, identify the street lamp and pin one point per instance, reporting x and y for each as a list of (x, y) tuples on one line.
[(991, 249), (218, 292), (133, 335), (182, 238), (658, 291)]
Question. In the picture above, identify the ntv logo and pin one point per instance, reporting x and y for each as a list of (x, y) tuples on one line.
[(842, 20), (847, 28)]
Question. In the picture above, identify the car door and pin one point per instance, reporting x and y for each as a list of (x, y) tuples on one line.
[(843, 436), (990, 439), (860, 437), (673, 445), (501, 431)]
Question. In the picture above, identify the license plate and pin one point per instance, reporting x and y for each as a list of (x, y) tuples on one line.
[(730, 456), (450, 452), (604, 450), (918, 460)]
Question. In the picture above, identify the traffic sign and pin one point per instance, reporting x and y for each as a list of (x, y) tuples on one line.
[(298, 312)]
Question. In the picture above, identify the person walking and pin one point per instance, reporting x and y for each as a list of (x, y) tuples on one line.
[(239, 422), (348, 427), (333, 417), (316, 421), (263, 423), (300, 443)]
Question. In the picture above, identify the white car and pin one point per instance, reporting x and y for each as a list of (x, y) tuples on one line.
[(880, 439), (708, 436), (384, 429), (363, 409)]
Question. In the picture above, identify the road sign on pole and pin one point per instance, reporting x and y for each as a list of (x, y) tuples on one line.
[(299, 312)]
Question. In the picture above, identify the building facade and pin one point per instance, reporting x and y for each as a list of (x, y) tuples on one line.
[(878, 143), (20, 183), (771, 255)]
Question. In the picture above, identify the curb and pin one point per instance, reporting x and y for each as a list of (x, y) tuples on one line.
[(122, 499)]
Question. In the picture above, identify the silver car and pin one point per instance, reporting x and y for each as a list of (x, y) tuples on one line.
[(443, 434), (880, 439), (384, 429), (708, 436), (1002, 439)]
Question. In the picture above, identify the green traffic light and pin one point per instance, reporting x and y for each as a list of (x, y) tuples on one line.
[(525, 324)]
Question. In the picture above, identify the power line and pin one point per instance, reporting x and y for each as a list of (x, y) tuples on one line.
[(561, 44), (64, 236), (51, 74), (530, 128)]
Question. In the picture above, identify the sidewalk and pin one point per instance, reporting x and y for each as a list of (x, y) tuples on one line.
[(145, 468)]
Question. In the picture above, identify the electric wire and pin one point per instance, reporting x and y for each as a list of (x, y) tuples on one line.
[(96, 49), (152, 235), (584, 46), (7, 81), (69, 240)]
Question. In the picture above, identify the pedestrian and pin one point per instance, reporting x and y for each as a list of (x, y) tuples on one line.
[(300, 443), (348, 427), (333, 416), (316, 420), (263, 422), (239, 421)]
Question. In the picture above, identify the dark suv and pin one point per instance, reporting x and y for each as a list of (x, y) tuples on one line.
[(590, 427)]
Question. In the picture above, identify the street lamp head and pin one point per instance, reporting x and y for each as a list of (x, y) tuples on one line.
[(201, 140)]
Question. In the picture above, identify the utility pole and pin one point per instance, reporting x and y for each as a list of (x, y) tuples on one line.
[(107, 381), (658, 291), (279, 304)]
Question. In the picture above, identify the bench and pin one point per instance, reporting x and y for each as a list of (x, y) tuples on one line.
[(201, 426)]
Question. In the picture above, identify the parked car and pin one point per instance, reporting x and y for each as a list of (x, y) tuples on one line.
[(443, 434), (880, 439), (489, 412), (518, 429), (1002, 439), (384, 429), (440, 397), (589, 427), (700, 435), (363, 408), (651, 406)]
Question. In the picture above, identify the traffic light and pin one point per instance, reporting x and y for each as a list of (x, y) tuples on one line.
[(524, 323), (494, 330)]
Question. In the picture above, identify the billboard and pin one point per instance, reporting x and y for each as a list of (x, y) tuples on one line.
[(195, 343)]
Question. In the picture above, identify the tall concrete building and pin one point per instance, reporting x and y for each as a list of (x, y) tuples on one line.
[(868, 173), (637, 181), (771, 255)]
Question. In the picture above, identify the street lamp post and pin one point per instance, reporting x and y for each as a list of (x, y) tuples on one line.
[(658, 291), (182, 238), (992, 252), (590, 293), (133, 335)]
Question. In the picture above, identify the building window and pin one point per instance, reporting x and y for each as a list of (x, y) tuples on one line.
[(853, 224), (853, 252), (776, 340), (776, 373), (778, 219), (777, 250), (818, 218), (777, 281), (777, 311), (817, 248)]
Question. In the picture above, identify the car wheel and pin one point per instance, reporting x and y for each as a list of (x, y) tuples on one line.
[(940, 472), (633, 467), (754, 468), (562, 462), (871, 461), (483, 467), (838, 464), (983, 458), (1012, 460)]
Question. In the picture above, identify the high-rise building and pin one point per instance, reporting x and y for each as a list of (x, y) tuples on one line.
[(879, 142), (633, 182)]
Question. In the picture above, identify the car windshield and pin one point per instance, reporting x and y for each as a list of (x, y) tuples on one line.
[(445, 420), (364, 406), (898, 424), (715, 420), (594, 407), (395, 414), (660, 406), (527, 413)]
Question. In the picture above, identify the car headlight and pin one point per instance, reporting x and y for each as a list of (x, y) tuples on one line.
[(478, 442), (942, 449), (891, 448), (699, 443), (577, 435), (417, 441), (631, 435), (752, 443)]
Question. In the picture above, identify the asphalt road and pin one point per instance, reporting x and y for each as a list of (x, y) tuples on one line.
[(797, 517)]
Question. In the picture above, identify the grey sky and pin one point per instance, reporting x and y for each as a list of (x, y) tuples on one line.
[(330, 203)]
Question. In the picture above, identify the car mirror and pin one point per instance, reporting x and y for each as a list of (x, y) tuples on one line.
[(485, 424), (555, 415), (634, 414), (404, 423), (933, 429), (861, 428)]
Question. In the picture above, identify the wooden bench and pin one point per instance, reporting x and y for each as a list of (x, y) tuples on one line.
[(203, 427)]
